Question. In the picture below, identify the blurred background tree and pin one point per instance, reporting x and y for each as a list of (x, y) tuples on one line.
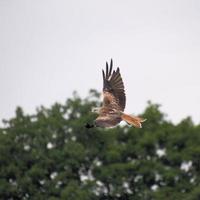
[(51, 155)]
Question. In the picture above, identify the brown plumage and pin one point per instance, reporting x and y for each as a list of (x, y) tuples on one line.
[(114, 101)]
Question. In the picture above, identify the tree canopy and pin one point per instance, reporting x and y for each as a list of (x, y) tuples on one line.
[(51, 155)]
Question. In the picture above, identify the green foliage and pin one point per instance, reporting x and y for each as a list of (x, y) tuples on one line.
[(51, 155)]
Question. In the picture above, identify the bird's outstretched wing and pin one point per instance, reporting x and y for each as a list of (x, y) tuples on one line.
[(113, 88)]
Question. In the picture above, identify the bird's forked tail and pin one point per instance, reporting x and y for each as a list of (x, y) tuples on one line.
[(132, 120)]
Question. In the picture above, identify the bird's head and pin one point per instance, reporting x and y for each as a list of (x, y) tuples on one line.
[(95, 110)]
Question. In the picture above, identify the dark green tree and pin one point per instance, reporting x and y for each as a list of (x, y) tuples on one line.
[(51, 155)]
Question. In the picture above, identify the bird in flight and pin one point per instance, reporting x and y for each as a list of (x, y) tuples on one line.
[(114, 100)]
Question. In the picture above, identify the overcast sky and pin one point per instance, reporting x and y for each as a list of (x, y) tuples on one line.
[(50, 48)]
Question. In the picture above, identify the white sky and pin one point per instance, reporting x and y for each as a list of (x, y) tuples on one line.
[(50, 48)]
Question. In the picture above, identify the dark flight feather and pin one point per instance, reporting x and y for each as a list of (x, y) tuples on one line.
[(113, 86)]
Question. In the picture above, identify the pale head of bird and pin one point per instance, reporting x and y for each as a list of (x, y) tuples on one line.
[(96, 110)]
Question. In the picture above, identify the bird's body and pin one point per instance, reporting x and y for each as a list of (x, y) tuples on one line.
[(114, 101), (108, 118)]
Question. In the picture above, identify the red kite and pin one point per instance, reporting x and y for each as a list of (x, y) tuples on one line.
[(114, 101)]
